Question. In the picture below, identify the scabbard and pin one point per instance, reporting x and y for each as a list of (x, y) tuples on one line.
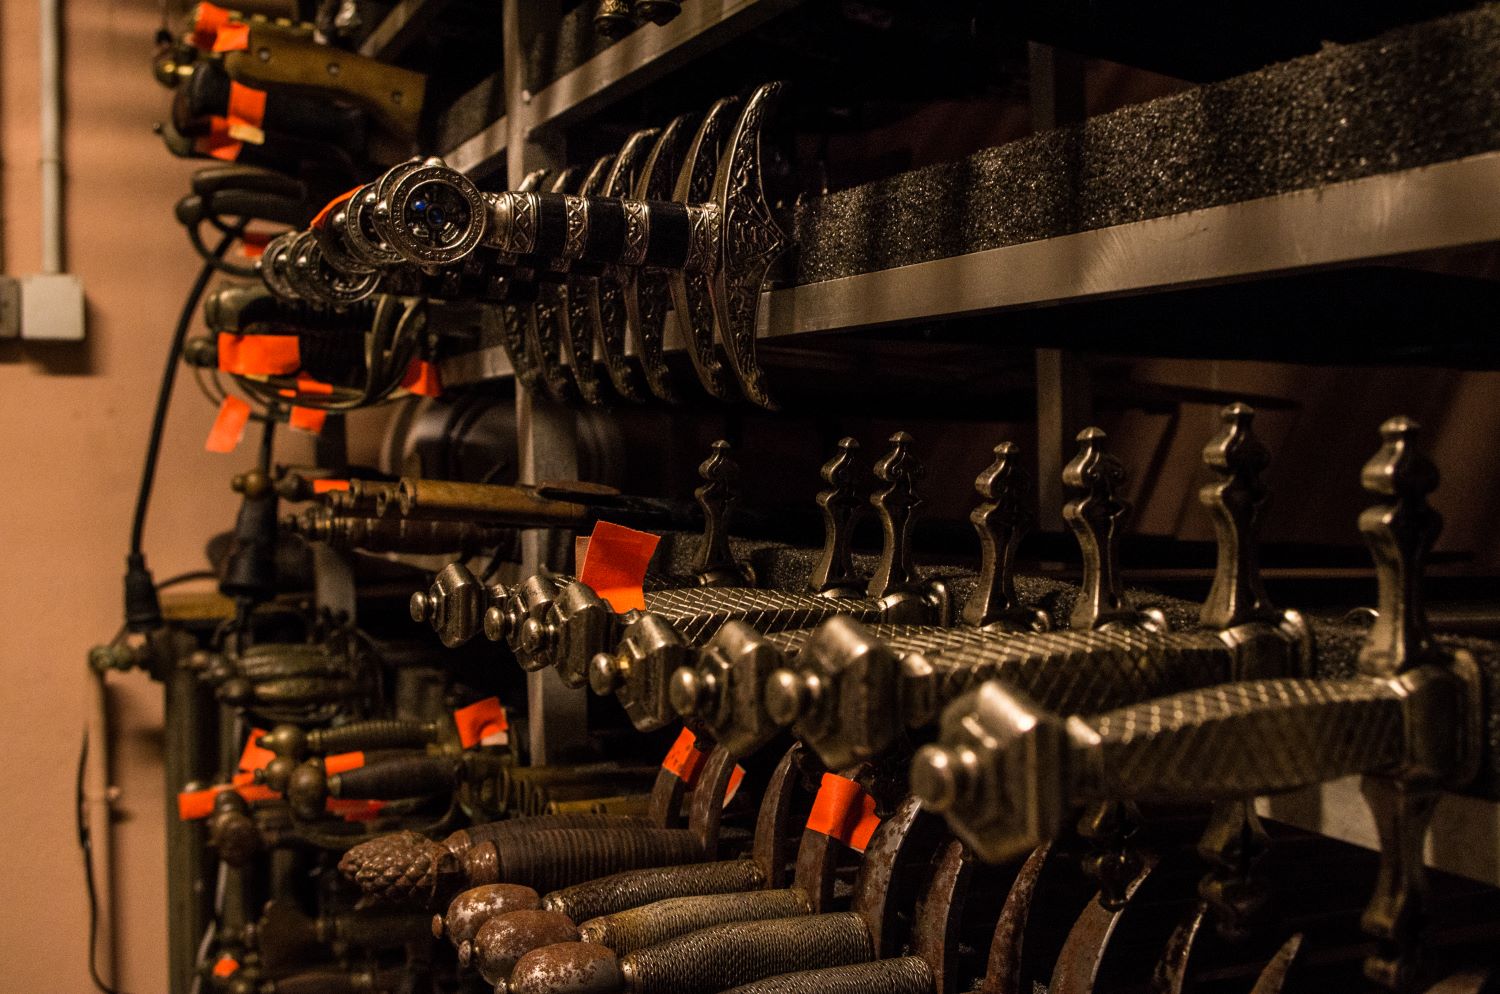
[(552, 858), (649, 924), (715, 959), (634, 888), (903, 975)]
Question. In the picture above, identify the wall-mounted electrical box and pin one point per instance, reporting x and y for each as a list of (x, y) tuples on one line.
[(52, 308)]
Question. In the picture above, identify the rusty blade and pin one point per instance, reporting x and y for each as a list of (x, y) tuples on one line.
[(1080, 962), (1049, 893), (1273, 978)]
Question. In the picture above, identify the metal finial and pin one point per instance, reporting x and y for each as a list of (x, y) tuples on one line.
[(840, 504), (1002, 520), (1096, 514), (1400, 532), (1235, 501), (896, 506), (719, 473)]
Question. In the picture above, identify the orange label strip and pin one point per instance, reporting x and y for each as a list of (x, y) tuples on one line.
[(843, 810)]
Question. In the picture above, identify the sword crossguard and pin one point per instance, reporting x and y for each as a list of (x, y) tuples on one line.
[(1002, 520), (1236, 501), (896, 506), (1400, 532), (1096, 515), (840, 505), (715, 565)]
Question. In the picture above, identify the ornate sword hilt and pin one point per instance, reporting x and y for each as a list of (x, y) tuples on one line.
[(896, 507), (455, 604), (714, 564), (840, 505), (1001, 520), (1096, 514)]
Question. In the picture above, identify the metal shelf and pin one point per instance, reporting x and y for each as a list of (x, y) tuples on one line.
[(1464, 840), (637, 60), (402, 26), (1448, 205)]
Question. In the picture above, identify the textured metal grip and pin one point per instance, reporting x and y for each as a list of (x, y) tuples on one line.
[(636, 928), (715, 959), (376, 733), (490, 831), (1082, 672), (410, 776), (560, 857), (633, 888), (904, 975), (698, 612), (1236, 740)]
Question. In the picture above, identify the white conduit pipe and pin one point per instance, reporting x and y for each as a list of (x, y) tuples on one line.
[(51, 135)]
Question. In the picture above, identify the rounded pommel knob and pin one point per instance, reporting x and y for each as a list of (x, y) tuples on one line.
[(421, 607), (496, 624), (1096, 514), (471, 909), (570, 968), (502, 940), (1235, 501), (995, 772), (1400, 532), (403, 867), (285, 740), (614, 18), (607, 672), (454, 605), (277, 774), (307, 790), (896, 507), (791, 695), (432, 215), (690, 694)]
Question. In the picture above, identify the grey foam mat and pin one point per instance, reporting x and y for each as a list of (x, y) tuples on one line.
[(1417, 95)]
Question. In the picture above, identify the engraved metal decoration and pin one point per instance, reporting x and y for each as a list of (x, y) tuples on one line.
[(840, 505), (896, 505), (547, 318), (647, 290), (1096, 515), (1236, 501), (714, 564), (514, 317), (607, 301), (751, 242), (1001, 521), (430, 219), (691, 299), (580, 325)]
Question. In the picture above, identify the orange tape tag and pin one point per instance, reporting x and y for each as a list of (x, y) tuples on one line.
[(259, 355), (233, 36), (615, 565), (255, 756), (482, 723), (308, 419), (253, 243), (220, 142), (208, 19), (331, 206), (226, 966), (422, 379), (354, 809), (685, 760), (326, 486), (195, 804), (247, 106), (229, 425), (343, 762), (736, 776), (843, 810)]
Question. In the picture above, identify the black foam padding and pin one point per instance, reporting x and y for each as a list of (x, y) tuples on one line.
[(1417, 95)]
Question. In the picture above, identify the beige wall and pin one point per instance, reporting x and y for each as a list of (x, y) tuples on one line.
[(73, 421)]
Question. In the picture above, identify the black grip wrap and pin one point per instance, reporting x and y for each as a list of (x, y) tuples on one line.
[(711, 960), (669, 235), (376, 733), (636, 928), (560, 857), (551, 225), (904, 975), (413, 776), (606, 231), (633, 888), (492, 830)]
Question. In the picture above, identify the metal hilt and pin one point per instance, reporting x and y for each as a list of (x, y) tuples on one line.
[(714, 564), (896, 506), (648, 924), (840, 505), (1096, 514), (1001, 520), (852, 694), (511, 620), (455, 604), (722, 689)]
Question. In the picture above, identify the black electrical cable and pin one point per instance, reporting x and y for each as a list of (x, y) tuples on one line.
[(86, 845), (142, 610)]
